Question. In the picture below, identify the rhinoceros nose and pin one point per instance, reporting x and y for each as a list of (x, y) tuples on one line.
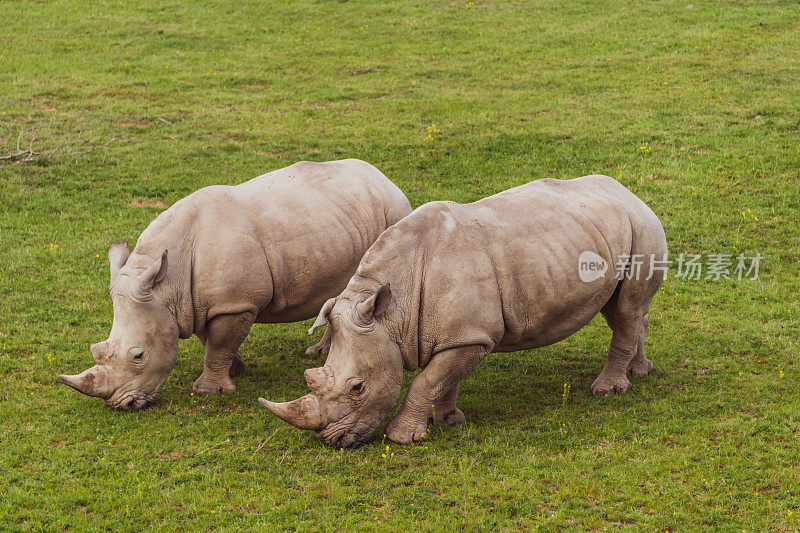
[(99, 351)]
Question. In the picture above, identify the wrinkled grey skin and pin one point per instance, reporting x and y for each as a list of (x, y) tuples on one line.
[(452, 283), (273, 249)]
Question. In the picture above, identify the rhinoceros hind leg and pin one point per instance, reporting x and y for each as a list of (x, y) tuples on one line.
[(640, 365), (624, 343), (626, 311), (323, 346), (626, 315)]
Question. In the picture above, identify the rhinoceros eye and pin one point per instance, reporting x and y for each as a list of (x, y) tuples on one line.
[(137, 355), (358, 388)]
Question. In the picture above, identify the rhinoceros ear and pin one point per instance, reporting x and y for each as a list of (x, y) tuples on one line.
[(117, 256), (374, 306), (154, 273)]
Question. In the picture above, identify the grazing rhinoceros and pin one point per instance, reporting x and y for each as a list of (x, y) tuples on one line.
[(272, 249), (451, 283)]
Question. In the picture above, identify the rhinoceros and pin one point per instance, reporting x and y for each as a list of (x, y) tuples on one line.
[(451, 283), (272, 249)]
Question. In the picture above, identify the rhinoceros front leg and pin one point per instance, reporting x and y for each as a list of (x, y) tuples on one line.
[(323, 346), (445, 412), (237, 366), (434, 392), (225, 334)]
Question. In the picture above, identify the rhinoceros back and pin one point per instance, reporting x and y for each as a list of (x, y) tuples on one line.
[(545, 298), (504, 271), (279, 244)]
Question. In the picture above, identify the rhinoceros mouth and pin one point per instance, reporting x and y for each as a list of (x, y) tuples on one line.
[(342, 439), (341, 434), (130, 402)]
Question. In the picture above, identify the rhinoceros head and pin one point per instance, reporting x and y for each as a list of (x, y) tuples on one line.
[(353, 393), (135, 361)]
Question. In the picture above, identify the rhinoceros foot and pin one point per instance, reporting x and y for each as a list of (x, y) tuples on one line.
[(404, 433), (453, 417), (318, 348), (323, 346), (640, 367), (206, 384), (605, 385)]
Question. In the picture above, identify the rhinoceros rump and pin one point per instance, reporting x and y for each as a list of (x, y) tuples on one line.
[(273, 249), (450, 283)]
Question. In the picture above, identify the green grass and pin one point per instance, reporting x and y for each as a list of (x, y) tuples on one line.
[(219, 92)]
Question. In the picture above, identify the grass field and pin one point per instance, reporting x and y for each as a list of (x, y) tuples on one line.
[(694, 108)]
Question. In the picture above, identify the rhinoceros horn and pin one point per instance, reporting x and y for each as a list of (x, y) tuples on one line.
[(117, 256), (91, 382), (302, 413)]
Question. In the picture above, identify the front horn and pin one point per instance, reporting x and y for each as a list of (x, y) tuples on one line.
[(92, 382), (302, 413)]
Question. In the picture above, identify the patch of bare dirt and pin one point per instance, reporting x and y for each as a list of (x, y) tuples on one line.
[(147, 202)]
